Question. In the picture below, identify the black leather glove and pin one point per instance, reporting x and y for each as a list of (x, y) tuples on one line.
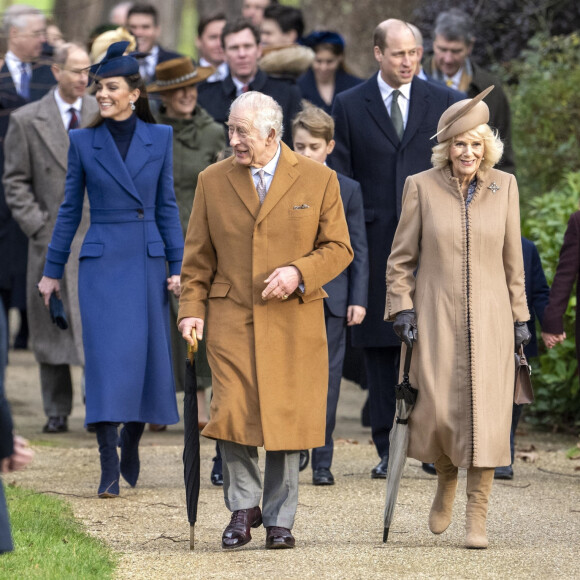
[(522, 334), (405, 326)]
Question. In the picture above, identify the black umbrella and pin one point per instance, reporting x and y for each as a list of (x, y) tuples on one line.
[(191, 436), (406, 396)]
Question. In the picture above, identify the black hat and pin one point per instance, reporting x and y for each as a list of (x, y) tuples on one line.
[(115, 63), (322, 37)]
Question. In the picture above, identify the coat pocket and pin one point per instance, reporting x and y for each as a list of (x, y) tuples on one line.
[(219, 290), (156, 249), (91, 250)]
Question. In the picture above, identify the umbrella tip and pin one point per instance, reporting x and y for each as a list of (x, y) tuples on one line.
[(385, 535), (192, 537)]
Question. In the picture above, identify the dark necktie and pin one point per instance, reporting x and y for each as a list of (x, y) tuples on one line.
[(396, 116), (74, 120), (24, 81)]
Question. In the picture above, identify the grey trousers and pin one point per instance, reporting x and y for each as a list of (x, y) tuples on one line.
[(243, 482), (57, 390)]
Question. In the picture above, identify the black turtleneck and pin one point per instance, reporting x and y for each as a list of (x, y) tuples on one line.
[(122, 133)]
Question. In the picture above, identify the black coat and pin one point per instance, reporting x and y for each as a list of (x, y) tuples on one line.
[(350, 287), (343, 82), (537, 292), (216, 99), (368, 150), (13, 242)]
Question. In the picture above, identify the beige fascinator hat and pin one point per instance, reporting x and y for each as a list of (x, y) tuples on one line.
[(463, 116), (103, 41)]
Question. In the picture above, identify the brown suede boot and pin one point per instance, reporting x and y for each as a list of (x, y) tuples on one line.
[(440, 515), (479, 482)]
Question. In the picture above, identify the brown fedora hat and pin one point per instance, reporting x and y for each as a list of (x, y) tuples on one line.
[(177, 73), (463, 116)]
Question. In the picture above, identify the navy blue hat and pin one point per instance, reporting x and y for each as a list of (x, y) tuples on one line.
[(323, 37), (114, 63)]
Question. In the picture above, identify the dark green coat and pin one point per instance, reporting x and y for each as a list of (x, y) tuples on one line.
[(196, 144)]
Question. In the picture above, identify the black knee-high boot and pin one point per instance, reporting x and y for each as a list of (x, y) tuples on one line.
[(129, 443), (107, 438)]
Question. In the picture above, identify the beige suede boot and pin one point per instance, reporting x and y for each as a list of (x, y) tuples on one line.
[(440, 514), (479, 482)]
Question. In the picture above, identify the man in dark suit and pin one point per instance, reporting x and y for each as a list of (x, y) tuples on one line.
[(143, 24), (23, 79), (241, 42), (383, 131), (345, 305)]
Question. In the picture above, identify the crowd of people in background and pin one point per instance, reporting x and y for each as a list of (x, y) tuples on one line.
[(265, 92)]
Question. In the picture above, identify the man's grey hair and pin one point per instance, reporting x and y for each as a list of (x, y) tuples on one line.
[(454, 25), (16, 16), (61, 53), (416, 33), (266, 112)]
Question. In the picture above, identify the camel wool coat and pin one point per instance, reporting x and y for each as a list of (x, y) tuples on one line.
[(269, 359), (467, 293)]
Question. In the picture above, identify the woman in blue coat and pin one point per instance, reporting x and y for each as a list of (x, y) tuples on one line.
[(124, 161)]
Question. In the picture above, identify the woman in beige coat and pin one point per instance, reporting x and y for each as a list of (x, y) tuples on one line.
[(455, 284)]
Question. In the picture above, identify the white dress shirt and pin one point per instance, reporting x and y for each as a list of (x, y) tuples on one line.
[(240, 85), (269, 170), (221, 71), (148, 64), (403, 101), (13, 63), (64, 109)]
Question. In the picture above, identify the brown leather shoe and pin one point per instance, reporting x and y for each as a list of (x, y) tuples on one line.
[(238, 531), (279, 538)]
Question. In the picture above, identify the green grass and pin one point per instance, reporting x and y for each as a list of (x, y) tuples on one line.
[(49, 543)]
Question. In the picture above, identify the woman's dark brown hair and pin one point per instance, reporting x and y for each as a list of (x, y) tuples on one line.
[(142, 109)]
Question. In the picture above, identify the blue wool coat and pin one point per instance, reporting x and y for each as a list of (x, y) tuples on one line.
[(134, 233)]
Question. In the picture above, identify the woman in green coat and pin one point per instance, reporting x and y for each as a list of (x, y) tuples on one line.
[(197, 140)]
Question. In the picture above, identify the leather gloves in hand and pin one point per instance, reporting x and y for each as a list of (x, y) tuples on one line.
[(405, 326), (522, 334)]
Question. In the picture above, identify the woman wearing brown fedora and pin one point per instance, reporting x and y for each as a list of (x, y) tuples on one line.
[(455, 285), (197, 140)]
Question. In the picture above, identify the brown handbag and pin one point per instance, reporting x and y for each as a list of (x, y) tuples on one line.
[(523, 392)]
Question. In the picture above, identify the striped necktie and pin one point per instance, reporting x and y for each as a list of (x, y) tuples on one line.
[(24, 81)]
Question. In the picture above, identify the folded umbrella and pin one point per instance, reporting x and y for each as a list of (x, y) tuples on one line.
[(191, 441), (406, 396)]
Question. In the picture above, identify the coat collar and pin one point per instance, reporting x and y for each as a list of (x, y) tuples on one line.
[(286, 174), (108, 156)]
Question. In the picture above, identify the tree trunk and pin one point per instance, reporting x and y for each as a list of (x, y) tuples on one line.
[(232, 8), (356, 21), (76, 18)]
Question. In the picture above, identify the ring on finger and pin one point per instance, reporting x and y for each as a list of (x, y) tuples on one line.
[(285, 297)]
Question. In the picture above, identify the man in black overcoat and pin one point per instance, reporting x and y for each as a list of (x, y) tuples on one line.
[(23, 79)]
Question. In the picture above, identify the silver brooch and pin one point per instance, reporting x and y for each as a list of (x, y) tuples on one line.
[(494, 187)]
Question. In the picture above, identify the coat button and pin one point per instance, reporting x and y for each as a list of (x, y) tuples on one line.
[(140, 213)]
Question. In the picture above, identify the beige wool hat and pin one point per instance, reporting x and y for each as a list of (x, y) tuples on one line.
[(463, 116), (178, 73)]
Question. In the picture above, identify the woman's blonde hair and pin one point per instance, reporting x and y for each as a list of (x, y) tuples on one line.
[(492, 148)]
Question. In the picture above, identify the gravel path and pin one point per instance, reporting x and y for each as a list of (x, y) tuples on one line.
[(533, 523)]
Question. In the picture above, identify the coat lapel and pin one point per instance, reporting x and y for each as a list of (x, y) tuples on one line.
[(284, 177), (377, 110), (418, 108), (108, 156), (49, 126), (139, 150), (241, 179)]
